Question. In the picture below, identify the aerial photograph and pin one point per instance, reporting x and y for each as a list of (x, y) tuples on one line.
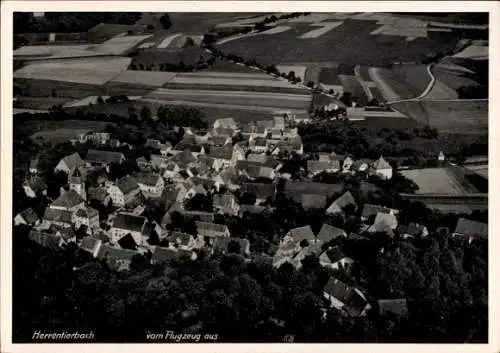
[(238, 177)]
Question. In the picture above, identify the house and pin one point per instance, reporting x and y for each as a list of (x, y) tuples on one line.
[(253, 131), (346, 299), (370, 210), (143, 164), (312, 188), (149, 183), (339, 205), (310, 201), (291, 145), (262, 191), (34, 167), (207, 183), (68, 201), (116, 258), (46, 240), (182, 241), (88, 217), (190, 144), (226, 204), (471, 230), (316, 167), (67, 234), (100, 137), (224, 157), (225, 123), (334, 258), (159, 162), (104, 158), (257, 158), (441, 156), (231, 245), (384, 223), (382, 168), (259, 171), (225, 131), (327, 233), (254, 209), (161, 255), (279, 261), (279, 122), (395, 307), (171, 171), (297, 235), (209, 231), (220, 140), (204, 164), (124, 192), (229, 178), (202, 216), (91, 245), (27, 217), (258, 144), (98, 194), (58, 217), (68, 163), (413, 230), (34, 186), (124, 224)]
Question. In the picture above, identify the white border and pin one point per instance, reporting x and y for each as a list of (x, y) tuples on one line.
[(242, 6)]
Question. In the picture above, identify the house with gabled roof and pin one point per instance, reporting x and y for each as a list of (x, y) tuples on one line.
[(103, 158), (116, 258), (258, 144), (384, 223), (209, 231), (317, 167), (362, 165), (58, 217), (312, 188), (161, 255), (34, 186), (297, 235), (370, 210), (88, 217), (229, 178), (335, 259), (27, 217), (346, 299), (150, 183), (262, 191), (226, 156), (471, 230), (290, 145), (124, 224), (124, 192), (158, 162), (143, 164), (382, 168), (34, 167), (220, 140), (68, 201), (46, 240), (310, 201), (91, 245), (341, 203), (225, 123), (69, 162), (99, 194), (225, 204), (327, 233)]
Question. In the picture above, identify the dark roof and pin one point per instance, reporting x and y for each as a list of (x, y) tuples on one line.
[(344, 200), (129, 222), (104, 157), (29, 215), (260, 190), (46, 240), (127, 185), (372, 210), (228, 131), (398, 307), (98, 194), (472, 228), (225, 152), (34, 163), (316, 166), (334, 254), (183, 159), (203, 216), (161, 255), (223, 200), (312, 201), (328, 233), (218, 140), (127, 242), (205, 182), (246, 164), (229, 175), (36, 183), (260, 141), (55, 215), (302, 233), (313, 188), (413, 229), (353, 302), (188, 142), (207, 229), (87, 212), (90, 244)]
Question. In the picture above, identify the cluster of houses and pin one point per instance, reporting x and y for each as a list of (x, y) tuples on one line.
[(211, 165)]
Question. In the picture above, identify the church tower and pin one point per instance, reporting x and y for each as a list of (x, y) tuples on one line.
[(77, 183)]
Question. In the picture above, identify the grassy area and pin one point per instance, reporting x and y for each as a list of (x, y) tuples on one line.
[(44, 88), (407, 81)]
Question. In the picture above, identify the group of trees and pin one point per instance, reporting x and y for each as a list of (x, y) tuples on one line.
[(69, 22)]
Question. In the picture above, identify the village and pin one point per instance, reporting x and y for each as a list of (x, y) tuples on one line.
[(235, 177)]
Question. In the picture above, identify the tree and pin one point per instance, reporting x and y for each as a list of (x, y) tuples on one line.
[(234, 247), (199, 202), (145, 113), (165, 21), (100, 100)]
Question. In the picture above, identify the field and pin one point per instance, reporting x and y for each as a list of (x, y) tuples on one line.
[(352, 40), (475, 52), (436, 181), (44, 88), (82, 71), (453, 78), (144, 78), (406, 81), (40, 103), (154, 57), (352, 85), (441, 91), (463, 116)]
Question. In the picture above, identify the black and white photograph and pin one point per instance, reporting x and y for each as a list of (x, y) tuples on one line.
[(249, 177)]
